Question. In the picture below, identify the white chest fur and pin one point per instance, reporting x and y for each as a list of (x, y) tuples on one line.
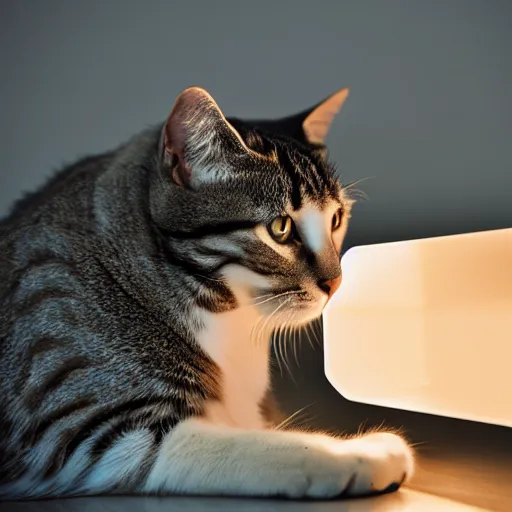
[(235, 341)]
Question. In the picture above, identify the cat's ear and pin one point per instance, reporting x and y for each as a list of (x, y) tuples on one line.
[(198, 141), (310, 126), (317, 121)]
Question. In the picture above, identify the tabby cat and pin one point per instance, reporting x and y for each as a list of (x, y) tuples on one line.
[(139, 289)]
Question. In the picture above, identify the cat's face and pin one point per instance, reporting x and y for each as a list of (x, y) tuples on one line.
[(302, 251), (255, 207)]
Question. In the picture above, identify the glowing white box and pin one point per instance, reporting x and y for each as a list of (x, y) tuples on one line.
[(426, 325)]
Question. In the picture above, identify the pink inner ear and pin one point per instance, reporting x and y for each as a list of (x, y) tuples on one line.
[(181, 175), (174, 146)]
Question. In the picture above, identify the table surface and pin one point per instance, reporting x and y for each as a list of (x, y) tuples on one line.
[(405, 499)]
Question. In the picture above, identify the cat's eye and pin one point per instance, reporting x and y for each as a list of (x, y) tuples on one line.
[(281, 229), (336, 219)]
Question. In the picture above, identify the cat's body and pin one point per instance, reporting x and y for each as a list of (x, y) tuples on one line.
[(138, 292)]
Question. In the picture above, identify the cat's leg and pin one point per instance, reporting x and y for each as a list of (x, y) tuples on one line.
[(201, 458), (198, 457)]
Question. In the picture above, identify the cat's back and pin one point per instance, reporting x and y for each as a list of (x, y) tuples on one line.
[(39, 236), (47, 220), (62, 200)]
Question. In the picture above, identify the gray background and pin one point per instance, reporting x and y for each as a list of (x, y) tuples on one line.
[(429, 118)]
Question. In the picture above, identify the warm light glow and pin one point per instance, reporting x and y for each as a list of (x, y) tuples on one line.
[(426, 326)]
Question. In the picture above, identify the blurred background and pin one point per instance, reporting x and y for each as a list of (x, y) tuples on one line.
[(428, 120)]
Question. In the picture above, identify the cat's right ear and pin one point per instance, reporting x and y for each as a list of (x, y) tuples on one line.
[(197, 141)]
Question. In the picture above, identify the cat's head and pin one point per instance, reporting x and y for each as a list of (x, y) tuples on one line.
[(252, 210)]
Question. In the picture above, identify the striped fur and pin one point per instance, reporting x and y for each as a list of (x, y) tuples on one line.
[(131, 286)]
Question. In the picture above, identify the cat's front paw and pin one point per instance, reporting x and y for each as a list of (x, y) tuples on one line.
[(387, 462), (370, 464)]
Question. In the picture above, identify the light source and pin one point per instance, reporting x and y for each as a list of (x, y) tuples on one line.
[(426, 325)]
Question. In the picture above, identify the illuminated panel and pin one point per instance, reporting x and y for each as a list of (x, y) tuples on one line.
[(426, 325)]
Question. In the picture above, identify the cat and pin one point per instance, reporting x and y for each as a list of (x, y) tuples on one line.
[(139, 290)]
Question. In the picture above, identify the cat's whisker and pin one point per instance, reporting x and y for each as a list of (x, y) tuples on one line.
[(260, 334), (292, 417), (284, 343), (275, 340), (300, 422), (421, 444), (307, 330), (287, 339), (251, 336), (361, 428), (352, 184), (269, 317), (299, 346), (284, 294), (276, 310), (315, 333), (285, 348), (215, 280), (356, 192), (312, 336), (319, 333), (279, 350), (258, 297), (296, 341), (317, 327), (278, 347)]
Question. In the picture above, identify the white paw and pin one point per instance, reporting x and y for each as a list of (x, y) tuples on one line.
[(370, 464)]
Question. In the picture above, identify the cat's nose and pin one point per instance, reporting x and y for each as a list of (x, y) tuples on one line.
[(329, 286)]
